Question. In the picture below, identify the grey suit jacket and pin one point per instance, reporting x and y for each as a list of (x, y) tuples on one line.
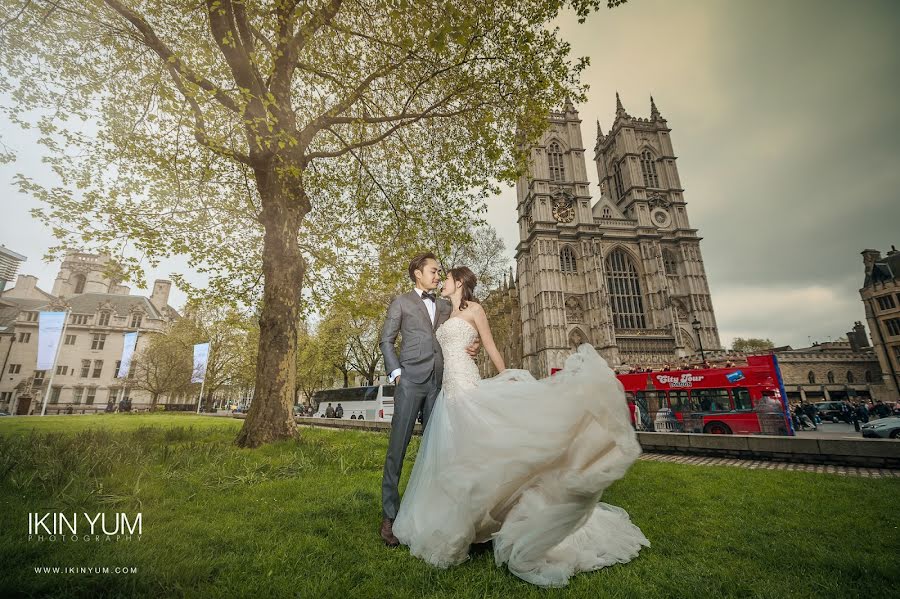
[(420, 352)]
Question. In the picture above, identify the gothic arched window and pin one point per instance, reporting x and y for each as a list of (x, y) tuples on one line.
[(79, 283), (555, 160), (811, 377), (868, 376), (670, 262), (648, 169), (567, 260), (850, 377), (607, 213), (617, 177), (624, 291), (830, 376)]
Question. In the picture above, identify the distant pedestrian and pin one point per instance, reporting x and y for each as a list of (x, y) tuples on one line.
[(329, 411)]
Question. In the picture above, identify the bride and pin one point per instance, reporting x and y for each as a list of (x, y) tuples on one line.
[(519, 461)]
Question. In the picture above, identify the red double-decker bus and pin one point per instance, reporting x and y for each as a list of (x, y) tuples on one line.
[(711, 400)]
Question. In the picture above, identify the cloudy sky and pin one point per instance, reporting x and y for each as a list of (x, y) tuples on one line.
[(785, 121)]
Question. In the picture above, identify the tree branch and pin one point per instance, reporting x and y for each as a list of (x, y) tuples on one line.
[(151, 40)]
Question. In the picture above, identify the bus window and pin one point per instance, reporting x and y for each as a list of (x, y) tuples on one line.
[(741, 397), (387, 390), (680, 402), (712, 400)]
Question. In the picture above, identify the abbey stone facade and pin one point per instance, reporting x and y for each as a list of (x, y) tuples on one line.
[(624, 273)]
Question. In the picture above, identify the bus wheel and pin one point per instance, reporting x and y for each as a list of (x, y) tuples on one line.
[(717, 428), (352, 416)]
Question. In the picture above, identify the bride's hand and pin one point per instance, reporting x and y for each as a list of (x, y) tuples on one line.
[(472, 350)]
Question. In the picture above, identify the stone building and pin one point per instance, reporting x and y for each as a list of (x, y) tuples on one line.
[(846, 369), (880, 294), (624, 273), (102, 310)]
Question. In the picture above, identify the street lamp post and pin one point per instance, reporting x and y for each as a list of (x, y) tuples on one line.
[(696, 325)]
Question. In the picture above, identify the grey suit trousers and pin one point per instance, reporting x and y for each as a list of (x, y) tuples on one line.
[(409, 398)]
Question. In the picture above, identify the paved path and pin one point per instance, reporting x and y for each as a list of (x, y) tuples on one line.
[(767, 465)]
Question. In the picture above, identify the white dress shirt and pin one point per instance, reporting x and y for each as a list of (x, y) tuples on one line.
[(432, 310)]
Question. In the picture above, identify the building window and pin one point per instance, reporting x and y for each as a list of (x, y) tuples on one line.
[(5, 396), (31, 317), (885, 302), (617, 177), (98, 341), (85, 368), (850, 378), (39, 376), (104, 318), (811, 377), (567, 260), (80, 319), (868, 376), (136, 320), (70, 339), (15, 368), (648, 169), (79, 283), (670, 262), (893, 326), (830, 376), (555, 160), (24, 337), (54, 394), (897, 354), (98, 367), (624, 291), (62, 370), (77, 392), (91, 394)]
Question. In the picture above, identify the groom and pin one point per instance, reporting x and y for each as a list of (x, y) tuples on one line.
[(418, 372)]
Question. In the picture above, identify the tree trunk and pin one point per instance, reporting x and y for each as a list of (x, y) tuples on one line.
[(270, 417)]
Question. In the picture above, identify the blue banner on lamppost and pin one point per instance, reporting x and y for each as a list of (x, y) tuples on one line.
[(127, 352), (201, 355), (50, 326)]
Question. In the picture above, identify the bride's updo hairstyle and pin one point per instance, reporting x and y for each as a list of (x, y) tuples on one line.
[(465, 277)]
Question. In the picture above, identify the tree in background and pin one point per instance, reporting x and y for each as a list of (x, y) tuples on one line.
[(162, 368), (484, 253), (273, 143), (751, 345)]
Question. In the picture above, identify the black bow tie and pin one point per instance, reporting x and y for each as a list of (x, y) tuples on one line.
[(428, 295)]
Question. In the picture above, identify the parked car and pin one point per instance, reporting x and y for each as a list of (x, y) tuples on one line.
[(831, 410), (883, 428)]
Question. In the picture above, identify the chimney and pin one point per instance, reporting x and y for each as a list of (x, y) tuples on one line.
[(160, 296), (870, 257), (25, 287), (858, 338)]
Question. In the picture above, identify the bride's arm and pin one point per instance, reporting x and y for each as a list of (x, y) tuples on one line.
[(484, 331)]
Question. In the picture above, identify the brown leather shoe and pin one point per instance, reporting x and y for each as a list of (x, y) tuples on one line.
[(387, 533)]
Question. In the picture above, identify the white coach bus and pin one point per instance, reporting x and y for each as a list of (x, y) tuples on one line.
[(360, 403)]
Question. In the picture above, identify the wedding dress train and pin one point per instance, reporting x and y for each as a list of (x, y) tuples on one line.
[(523, 462)]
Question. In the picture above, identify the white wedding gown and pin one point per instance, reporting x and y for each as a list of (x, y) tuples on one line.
[(523, 462)]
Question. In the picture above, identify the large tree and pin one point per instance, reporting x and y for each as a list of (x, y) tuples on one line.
[(272, 141), (162, 367)]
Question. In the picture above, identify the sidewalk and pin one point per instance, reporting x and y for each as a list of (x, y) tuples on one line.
[(769, 465)]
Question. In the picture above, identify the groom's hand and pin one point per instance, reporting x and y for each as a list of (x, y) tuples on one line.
[(472, 350)]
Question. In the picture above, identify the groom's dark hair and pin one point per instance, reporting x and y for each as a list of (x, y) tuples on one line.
[(418, 263)]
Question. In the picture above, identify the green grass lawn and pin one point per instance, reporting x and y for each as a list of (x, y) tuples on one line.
[(301, 519)]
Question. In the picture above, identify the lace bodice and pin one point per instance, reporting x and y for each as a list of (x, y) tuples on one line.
[(460, 370)]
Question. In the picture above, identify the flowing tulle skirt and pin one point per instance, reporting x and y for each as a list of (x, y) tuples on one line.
[(524, 462)]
